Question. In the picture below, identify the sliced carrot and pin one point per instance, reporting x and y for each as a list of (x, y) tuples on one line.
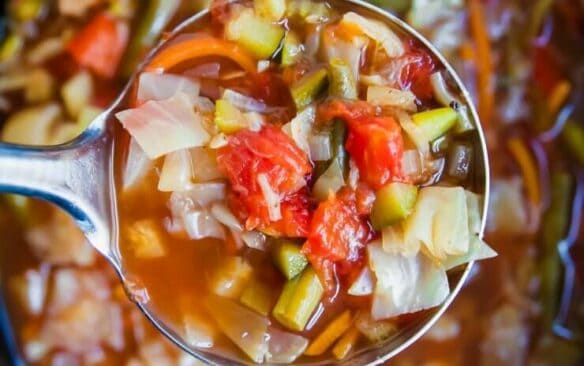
[(484, 59), (201, 47), (346, 343), (330, 334), (528, 168), (558, 97), (100, 45)]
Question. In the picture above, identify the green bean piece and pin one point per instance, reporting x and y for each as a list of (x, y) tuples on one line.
[(154, 19), (305, 90), (393, 203), (342, 83), (291, 50), (258, 296), (298, 300), (554, 228), (573, 136), (288, 258)]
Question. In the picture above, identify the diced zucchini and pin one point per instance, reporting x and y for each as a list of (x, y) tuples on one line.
[(228, 118), (305, 90), (342, 82), (298, 300), (272, 10), (259, 36), (393, 203), (330, 181), (289, 259), (291, 50), (436, 122), (258, 296), (231, 277)]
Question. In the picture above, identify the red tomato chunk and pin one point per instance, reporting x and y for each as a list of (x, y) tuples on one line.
[(272, 153)]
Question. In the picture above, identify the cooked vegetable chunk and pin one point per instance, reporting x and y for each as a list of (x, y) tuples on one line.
[(289, 258), (393, 203)]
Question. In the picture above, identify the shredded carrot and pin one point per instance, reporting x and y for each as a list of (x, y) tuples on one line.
[(528, 167), (330, 334), (347, 343), (484, 59), (200, 47), (559, 96)]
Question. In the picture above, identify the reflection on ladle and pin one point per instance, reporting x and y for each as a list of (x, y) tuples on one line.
[(80, 176)]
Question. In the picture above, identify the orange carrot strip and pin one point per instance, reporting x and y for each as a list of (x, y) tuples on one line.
[(331, 333), (200, 47), (558, 97), (346, 344), (484, 59), (528, 168)]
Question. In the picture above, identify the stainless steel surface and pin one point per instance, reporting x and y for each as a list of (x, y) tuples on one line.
[(79, 177)]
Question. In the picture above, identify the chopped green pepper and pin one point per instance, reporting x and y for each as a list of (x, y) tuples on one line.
[(289, 259), (257, 35), (298, 300), (554, 228), (272, 10), (291, 50), (305, 90), (393, 203), (153, 20), (342, 82), (435, 122), (228, 118), (258, 296)]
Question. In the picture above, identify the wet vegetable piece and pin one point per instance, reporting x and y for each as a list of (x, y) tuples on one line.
[(294, 200)]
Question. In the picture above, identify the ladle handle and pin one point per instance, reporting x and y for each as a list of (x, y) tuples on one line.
[(76, 176)]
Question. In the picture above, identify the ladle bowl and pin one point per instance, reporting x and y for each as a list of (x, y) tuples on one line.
[(79, 176)]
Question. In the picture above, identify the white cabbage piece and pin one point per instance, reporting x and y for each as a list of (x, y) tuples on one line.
[(440, 222), (377, 31), (137, 165), (161, 127), (394, 242), (154, 86), (405, 284), (246, 328), (177, 171), (363, 284), (284, 347)]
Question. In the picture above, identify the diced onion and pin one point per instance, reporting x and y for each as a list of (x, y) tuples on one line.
[(254, 120), (320, 147), (386, 96), (254, 239), (272, 198), (243, 102), (225, 216), (284, 347), (363, 285), (218, 141), (412, 163)]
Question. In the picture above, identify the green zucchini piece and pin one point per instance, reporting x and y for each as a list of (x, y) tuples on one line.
[(342, 83), (258, 296), (393, 203), (289, 259), (257, 35), (228, 118), (291, 50), (435, 122), (305, 90)]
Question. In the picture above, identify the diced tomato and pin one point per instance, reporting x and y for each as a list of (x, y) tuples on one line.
[(272, 153), (364, 197), (338, 234), (375, 143), (416, 72), (100, 45)]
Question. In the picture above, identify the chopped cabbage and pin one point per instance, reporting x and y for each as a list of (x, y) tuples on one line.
[(377, 31), (405, 284), (176, 172), (153, 86)]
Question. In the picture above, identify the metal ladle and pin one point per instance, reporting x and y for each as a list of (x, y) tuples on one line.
[(79, 177)]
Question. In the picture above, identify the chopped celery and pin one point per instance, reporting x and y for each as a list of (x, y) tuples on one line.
[(231, 277), (393, 203), (342, 82), (305, 90), (258, 296), (298, 300), (436, 122), (259, 36), (272, 10), (289, 259), (11, 47), (330, 334), (228, 118), (291, 50)]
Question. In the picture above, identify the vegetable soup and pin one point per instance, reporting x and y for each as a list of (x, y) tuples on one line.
[(298, 182)]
